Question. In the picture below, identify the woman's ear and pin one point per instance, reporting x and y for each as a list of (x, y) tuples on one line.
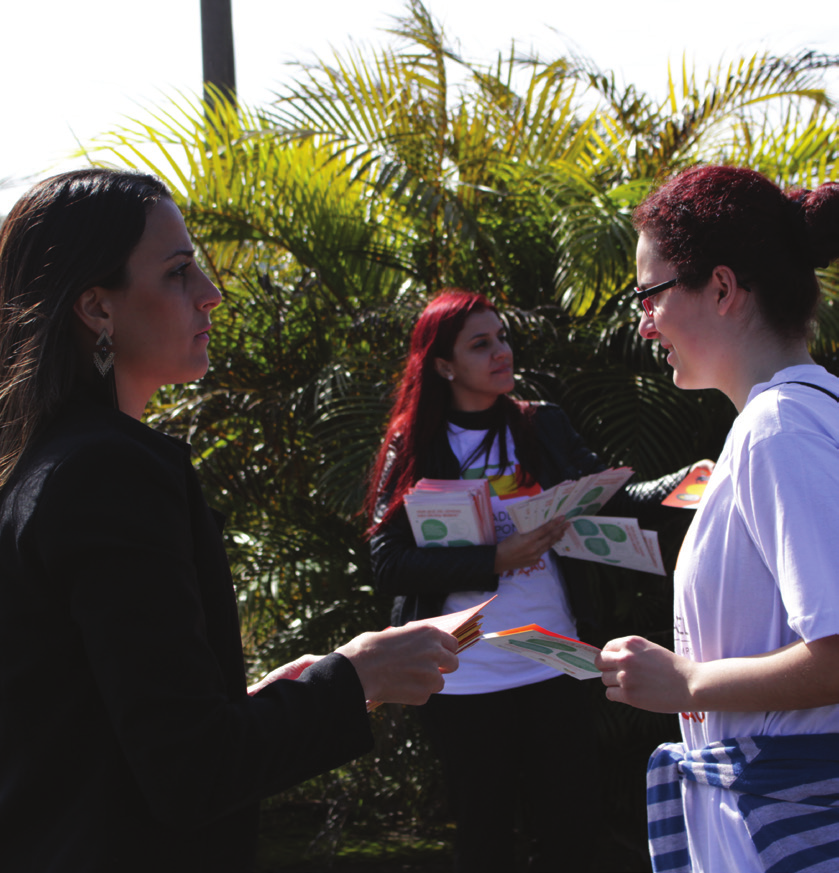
[(729, 292), (93, 309), (444, 369)]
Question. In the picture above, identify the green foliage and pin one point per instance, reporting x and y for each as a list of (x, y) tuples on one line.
[(330, 215)]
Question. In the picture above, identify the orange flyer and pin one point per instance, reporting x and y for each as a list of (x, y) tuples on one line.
[(688, 493), (465, 625)]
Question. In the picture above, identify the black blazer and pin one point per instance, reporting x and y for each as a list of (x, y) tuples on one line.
[(127, 739), (419, 580)]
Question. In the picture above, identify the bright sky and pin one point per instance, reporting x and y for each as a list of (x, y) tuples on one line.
[(72, 68)]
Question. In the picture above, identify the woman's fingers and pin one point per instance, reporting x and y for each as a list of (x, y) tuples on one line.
[(519, 551), (404, 664)]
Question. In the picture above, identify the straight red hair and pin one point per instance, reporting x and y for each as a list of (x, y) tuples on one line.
[(422, 398)]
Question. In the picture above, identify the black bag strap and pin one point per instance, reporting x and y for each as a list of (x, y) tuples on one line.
[(811, 385)]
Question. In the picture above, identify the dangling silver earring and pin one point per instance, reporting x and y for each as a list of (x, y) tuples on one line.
[(103, 355), (450, 377)]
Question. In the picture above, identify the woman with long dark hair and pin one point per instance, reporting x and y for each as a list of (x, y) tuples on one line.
[(726, 273), (515, 738), (128, 738)]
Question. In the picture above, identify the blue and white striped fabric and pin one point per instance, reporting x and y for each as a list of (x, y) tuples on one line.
[(788, 796)]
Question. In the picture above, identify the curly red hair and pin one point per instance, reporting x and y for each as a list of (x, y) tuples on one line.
[(772, 240)]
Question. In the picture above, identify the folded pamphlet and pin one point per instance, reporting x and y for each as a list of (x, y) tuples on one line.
[(688, 493), (618, 541), (563, 654)]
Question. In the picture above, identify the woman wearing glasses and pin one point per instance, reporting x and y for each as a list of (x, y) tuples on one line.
[(726, 270)]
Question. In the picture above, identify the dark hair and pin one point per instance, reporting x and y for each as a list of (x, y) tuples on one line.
[(423, 398), (773, 240), (67, 234)]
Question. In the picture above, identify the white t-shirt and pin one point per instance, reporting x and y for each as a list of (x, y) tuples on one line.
[(758, 569), (533, 595)]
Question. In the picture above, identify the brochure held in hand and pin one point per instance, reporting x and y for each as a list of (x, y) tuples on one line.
[(563, 654), (457, 512), (606, 540)]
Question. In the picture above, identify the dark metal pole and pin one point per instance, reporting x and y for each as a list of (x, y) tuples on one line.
[(217, 47)]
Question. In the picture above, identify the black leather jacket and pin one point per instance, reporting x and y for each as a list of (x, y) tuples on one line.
[(419, 580)]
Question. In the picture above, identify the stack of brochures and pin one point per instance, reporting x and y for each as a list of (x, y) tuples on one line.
[(465, 626), (451, 512)]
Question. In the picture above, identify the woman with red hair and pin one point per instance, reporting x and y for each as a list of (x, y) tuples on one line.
[(514, 737), (726, 272)]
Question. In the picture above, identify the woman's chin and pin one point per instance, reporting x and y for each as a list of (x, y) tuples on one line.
[(686, 383)]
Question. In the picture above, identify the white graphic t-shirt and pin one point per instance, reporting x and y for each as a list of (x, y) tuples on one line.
[(532, 595)]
